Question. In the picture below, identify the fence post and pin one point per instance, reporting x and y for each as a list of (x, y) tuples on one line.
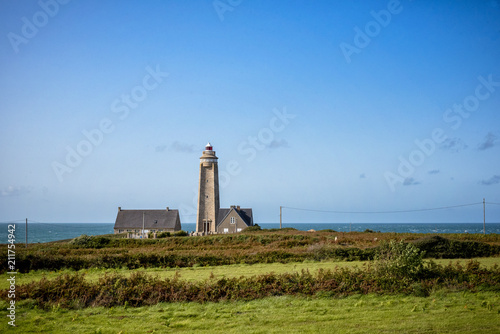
[(484, 216), (280, 216)]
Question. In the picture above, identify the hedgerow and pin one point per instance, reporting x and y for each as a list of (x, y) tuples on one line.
[(74, 291), (439, 247), (257, 247)]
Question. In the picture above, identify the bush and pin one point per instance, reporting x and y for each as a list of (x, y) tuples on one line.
[(163, 235), (255, 227), (399, 259), (439, 247), (85, 241), (180, 234)]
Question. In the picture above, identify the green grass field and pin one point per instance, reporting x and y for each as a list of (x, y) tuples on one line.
[(452, 307), (459, 312), (229, 271)]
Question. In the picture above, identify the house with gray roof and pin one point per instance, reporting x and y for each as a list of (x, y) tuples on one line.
[(146, 223), (234, 219)]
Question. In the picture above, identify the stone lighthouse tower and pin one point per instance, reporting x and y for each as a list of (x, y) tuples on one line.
[(208, 192)]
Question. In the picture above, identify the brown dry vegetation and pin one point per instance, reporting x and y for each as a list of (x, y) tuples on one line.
[(267, 246)]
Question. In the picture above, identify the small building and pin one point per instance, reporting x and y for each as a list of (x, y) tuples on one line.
[(234, 219), (140, 223)]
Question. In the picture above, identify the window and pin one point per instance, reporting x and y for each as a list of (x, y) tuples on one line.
[(238, 230), (233, 220), (226, 230)]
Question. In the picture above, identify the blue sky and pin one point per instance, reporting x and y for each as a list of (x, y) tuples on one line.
[(325, 105)]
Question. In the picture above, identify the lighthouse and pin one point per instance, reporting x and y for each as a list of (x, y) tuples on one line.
[(208, 192)]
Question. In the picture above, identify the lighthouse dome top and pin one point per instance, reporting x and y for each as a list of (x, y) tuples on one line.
[(208, 147)]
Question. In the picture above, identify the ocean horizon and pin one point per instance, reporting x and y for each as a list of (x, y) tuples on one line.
[(46, 232)]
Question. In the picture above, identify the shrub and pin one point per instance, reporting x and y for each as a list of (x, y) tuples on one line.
[(163, 235), (399, 259), (439, 247), (85, 241), (255, 227), (293, 243), (420, 290), (180, 234)]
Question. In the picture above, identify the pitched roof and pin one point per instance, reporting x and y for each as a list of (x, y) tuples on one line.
[(245, 215), (153, 219)]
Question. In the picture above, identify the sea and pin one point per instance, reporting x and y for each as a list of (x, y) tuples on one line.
[(46, 232)]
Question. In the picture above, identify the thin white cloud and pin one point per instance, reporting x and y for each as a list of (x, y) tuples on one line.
[(182, 147), (12, 191)]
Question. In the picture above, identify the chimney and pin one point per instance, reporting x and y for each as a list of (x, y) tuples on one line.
[(119, 208), (168, 209), (238, 207), (232, 206)]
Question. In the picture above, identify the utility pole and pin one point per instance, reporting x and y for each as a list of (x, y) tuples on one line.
[(143, 225), (484, 216), (26, 232), (280, 217)]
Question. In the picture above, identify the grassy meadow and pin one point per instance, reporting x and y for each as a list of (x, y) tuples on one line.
[(442, 312), (282, 281)]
